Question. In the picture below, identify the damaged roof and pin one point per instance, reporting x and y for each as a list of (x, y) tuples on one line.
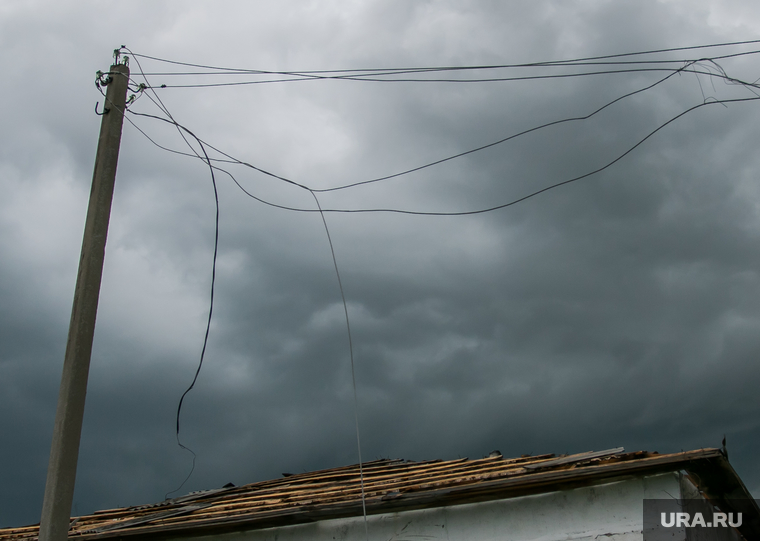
[(391, 486)]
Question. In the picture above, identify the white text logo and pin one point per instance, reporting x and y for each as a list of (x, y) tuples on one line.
[(719, 520)]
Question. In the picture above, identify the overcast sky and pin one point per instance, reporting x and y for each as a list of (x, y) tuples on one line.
[(620, 310)]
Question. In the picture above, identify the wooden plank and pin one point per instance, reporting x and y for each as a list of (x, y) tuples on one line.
[(581, 457), (148, 519)]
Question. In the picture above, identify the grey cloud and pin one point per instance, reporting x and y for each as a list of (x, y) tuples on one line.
[(616, 311)]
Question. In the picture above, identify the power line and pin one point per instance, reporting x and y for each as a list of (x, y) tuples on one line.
[(486, 209), (210, 309), (319, 209), (499, 141), (388, 75), (454, 81), (207, 160), (721, 74), (211, 163), (364, 76), (552, 186), (687, 68), (372, 77), (447, 68), (351, 354)]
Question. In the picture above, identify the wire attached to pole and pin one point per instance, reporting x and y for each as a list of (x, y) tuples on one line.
[(207, 160)]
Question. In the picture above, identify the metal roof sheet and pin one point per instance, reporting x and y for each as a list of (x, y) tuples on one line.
[(389, 485)]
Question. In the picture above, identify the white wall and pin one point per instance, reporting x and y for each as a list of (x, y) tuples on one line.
[(612, 510)]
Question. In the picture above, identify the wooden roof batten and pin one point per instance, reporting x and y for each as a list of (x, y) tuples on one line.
[(393, 486)]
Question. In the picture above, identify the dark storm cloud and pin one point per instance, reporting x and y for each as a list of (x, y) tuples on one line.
[(620, 310)]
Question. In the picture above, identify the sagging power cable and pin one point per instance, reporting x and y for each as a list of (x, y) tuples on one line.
[(490, 208), (208, 162)]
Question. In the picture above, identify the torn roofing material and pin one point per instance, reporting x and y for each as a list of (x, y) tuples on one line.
[(392, 486)]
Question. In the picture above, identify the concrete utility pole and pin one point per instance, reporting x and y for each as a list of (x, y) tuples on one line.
[(62, 468)]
